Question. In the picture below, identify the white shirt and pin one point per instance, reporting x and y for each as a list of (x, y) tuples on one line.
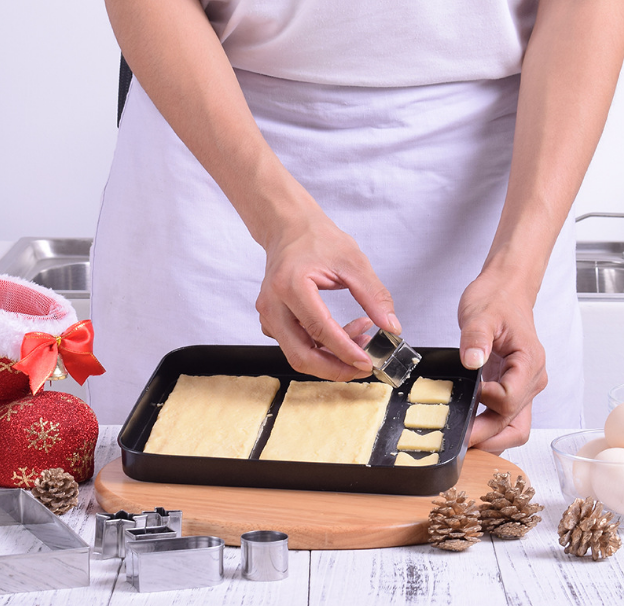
[(376, 43)]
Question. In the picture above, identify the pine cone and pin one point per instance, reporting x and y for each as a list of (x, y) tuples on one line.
[(583, 527), (506, 512), (57, 490), (454, 523)]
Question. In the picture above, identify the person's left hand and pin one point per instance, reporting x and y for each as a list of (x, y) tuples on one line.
[(498, 332)]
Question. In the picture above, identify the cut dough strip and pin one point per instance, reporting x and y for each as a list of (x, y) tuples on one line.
[(429, 442), (430, 391), (426, 416), (404, 459)]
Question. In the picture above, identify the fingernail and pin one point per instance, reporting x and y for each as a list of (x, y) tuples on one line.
[(363, 366), (394, 323), (474, 358)]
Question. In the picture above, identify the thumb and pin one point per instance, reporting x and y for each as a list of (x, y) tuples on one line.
[(475, 345)]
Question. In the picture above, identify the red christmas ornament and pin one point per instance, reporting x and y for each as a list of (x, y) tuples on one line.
[(44, 431), (13, 383)]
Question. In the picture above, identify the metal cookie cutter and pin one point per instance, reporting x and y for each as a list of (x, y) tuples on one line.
[(264, 555), (38, 551), (393, 359), (109, 532), (165, 517), (150, 533), (178, 563), (110, 541)]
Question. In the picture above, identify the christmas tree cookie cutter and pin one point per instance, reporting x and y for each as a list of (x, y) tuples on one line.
[(110, 539), (39, 551)]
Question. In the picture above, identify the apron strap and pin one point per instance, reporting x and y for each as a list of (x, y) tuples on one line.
[(125, 76)]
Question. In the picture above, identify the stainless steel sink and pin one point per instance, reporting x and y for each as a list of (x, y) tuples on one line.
[(600, 270), (61, 264), (600, 265), (598, 277)]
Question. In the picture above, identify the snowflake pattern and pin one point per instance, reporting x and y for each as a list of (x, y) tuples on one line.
[(8, 410), (8, 367), (25, 478), (81, 461), (43, 434)]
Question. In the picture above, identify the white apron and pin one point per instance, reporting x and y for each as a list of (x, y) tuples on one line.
[(417, 175)]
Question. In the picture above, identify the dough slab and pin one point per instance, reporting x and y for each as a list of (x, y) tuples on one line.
[(328, 422), (213, 416)]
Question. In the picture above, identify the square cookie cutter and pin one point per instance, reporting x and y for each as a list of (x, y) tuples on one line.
[(38, 551), (393, 359)]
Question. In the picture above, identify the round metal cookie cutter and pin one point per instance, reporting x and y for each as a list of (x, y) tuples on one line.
[(264, 555)]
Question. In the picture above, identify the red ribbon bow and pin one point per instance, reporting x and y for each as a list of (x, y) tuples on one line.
[(40, 352)]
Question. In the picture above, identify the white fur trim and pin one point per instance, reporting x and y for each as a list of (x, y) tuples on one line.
[(14, 326)]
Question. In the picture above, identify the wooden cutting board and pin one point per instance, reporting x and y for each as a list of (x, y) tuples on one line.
[(312, 520)]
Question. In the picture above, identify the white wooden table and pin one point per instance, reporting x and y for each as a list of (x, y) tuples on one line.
[(531, 571)]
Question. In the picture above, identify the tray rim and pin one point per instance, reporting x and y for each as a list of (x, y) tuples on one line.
[(133, 459)]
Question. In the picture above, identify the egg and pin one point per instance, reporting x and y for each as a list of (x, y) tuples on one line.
[(582, 471), (614, 427), (608, 479)]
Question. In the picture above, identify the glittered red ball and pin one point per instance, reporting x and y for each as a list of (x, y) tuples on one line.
[(13, 383), (50, 429)]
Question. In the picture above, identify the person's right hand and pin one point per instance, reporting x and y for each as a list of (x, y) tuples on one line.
[(310, 256)]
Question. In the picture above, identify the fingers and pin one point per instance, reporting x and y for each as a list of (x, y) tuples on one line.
[(375, 299), (356, 330), (292, 311), (493, 433), (477, 337), (301, 349), (311, 313), (507, 422), (498, 333)]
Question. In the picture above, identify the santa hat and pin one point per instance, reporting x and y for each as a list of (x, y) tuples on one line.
[(27, 307)]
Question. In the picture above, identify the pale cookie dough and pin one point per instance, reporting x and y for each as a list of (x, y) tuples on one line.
[(409, 461), (215, 416), (430, 442), (430, 391), (327, 422), (426, 416)]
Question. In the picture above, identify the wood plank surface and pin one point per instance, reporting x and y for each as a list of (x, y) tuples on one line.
[(416, 575), (536, 570), (312, 519), (530, 572)]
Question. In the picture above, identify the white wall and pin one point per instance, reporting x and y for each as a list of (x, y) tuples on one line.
[(58, 107), (59, 65), (603, 188)]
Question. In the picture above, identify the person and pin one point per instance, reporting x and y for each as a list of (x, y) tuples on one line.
[(351, 164)]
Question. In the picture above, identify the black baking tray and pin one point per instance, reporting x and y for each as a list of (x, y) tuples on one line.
[(379, 476)]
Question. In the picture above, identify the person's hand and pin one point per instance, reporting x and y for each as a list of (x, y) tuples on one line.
[(316, 255), (498, 331)]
